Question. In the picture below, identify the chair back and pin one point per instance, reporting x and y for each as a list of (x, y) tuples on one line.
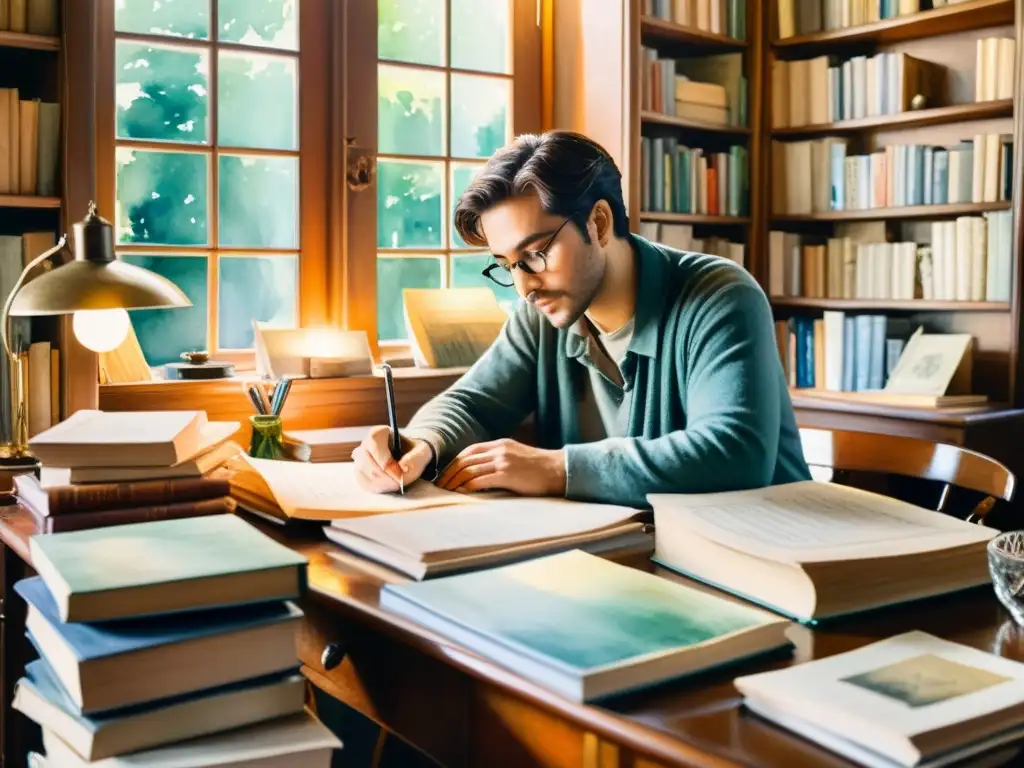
[(948, 464)]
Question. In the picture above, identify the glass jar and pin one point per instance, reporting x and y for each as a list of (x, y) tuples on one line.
[(267, 437)]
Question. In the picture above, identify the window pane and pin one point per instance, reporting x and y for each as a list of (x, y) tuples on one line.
[(467, 273), (161, 197), (409, 204), (462, 174), (161, 92), (394, 275), (480, 110), (411, 30), (165, 333), (181, 18), (263, 288), (272, 23), (410, 111), (480, 35), (257, 101), (259, 201)]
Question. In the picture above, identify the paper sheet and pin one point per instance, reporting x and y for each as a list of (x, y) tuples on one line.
[(797, 519), (489, 524), (330, 490)]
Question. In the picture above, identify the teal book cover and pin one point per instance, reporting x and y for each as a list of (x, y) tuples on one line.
[(142, 554), (583, 613)]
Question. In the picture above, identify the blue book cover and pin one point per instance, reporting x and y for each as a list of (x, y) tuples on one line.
[(40, 675), (110, 638), (579, 614)]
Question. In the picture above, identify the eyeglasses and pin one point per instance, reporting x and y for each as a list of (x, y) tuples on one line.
[(533, 262)]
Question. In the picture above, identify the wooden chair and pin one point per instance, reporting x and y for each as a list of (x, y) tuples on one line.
[(949, 465)]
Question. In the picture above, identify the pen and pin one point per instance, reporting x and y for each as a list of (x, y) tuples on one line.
[(280, 395), (257, 401), (396, 440)]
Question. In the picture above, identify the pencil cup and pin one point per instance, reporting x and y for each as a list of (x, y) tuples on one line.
[(267, 437)]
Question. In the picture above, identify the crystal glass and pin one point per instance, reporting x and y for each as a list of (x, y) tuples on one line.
[(1006, 566)]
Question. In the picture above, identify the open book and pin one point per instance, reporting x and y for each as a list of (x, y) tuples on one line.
[(910, 700), (812, 550), (441, 540)]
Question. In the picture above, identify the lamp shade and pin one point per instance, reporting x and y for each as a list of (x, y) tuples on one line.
[(81, 285), (96, 279)]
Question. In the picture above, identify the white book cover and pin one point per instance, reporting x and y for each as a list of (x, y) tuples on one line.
[(905, 698)]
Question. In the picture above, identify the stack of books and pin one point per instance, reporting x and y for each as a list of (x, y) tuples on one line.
[(172, 642), (103, 469)]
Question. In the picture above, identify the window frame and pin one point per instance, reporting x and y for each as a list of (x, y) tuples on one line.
[(361, 61), (314, 101)]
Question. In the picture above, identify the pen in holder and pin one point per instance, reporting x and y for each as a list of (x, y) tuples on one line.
[(268, 439)]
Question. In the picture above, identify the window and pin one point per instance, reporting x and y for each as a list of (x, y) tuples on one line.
[(199, 143), (447, 76)]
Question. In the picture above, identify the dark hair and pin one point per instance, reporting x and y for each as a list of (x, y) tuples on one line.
[(567, 171)]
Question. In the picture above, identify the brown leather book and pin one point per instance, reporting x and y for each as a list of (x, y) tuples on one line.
[(53, 497), (102, 518)]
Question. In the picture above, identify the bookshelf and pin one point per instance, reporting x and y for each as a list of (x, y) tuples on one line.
[(899, 154), (31, 191), (694, 148), (937, 51)]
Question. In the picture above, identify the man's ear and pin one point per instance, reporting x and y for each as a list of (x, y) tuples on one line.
[(601, 217)]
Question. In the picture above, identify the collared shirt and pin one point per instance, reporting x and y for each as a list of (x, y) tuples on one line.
[(607, 393)]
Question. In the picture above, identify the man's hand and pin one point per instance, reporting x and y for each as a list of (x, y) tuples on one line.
[(376, 471), (509, 465)]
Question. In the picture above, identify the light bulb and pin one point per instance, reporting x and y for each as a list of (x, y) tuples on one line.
[(101, 330)]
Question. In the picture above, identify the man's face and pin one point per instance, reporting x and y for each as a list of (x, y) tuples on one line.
[(517, 229)]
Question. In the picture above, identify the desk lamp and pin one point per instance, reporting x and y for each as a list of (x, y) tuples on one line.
[(97, 288)]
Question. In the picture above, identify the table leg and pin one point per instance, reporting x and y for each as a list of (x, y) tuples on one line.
[(13, 656)]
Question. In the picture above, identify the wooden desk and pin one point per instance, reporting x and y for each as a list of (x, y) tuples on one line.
[(465, 711)]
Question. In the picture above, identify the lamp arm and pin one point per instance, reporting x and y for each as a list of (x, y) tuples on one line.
[(5, 318)]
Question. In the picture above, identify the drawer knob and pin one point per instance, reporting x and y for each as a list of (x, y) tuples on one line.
[(332, 656)]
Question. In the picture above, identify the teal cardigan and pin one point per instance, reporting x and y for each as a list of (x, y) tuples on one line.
[(710, 411)]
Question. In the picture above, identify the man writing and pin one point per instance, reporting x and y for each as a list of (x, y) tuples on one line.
[(647, 369)]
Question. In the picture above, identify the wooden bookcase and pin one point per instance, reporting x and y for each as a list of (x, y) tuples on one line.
[(58, 68), (946, 35)]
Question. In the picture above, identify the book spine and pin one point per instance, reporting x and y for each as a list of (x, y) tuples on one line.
[(77, 499), (104, 518)]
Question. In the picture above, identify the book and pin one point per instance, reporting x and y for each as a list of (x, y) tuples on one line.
[(129, 439), (53, 494), (908, 700), (40, 697), (813, 550), (332, 444), (122, 663), (585, 627), (299, 740), (223, 505), (326, 491), (430, 542), (163, 567), (202, 464)]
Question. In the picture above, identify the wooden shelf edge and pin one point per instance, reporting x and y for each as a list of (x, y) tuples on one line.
[(656, 118), (28, 201), (33, 42), (912, 305), (691, 218), (905, 212), (982, 110), (669, 30), (948, 19)]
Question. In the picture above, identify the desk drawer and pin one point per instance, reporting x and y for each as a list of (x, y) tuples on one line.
[(410, 693)]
